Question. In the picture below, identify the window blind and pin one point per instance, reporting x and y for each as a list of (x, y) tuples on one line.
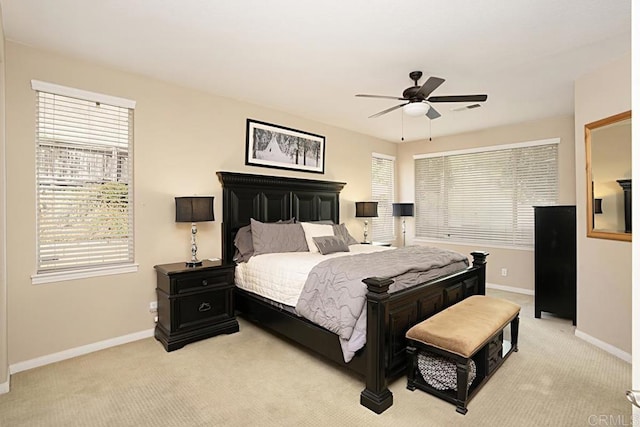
[(382, 184), (84, 178), (485, 196)]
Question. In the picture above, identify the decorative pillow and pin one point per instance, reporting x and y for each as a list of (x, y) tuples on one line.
[(272, 238), (341, 230), (315, 230), (244, 241), (244, 244), (330, 244)]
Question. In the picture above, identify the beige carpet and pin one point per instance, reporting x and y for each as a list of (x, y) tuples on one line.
[(253, 378)]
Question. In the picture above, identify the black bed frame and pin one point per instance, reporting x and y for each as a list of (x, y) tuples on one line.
[(389, 315)]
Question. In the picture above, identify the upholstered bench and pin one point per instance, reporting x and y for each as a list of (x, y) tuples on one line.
[(466, 335)]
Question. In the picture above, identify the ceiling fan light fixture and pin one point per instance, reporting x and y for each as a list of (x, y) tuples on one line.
[(416, 109)]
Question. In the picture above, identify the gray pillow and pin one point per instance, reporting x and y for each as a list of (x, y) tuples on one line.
[(341, 230), (274, 238), (244, 244), (244, 241), (330, 244)]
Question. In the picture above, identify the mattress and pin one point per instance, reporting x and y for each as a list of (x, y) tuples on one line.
[(280, 277)]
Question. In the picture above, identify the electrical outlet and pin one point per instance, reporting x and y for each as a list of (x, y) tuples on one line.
[(153, 307), (504, 272)]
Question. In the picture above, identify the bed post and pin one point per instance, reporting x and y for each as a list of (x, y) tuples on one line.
[(376, 396), (480, 261)]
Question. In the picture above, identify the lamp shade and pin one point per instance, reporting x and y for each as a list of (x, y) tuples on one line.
[(194, 209), (366, 209), (402, 209), (416, 109)]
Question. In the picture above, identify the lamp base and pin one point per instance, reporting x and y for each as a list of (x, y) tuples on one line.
[(194, 248)]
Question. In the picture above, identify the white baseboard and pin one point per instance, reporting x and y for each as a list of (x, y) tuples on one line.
[(510, 289), (604, 346), (78, 351), (4, 387)]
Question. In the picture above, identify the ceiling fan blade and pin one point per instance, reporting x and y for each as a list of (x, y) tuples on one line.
[(388, 110), (429, 86), (458, 98), (382, 96), (432, 113)]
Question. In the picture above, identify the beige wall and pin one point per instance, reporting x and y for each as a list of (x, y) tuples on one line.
[(182, 137), (519, 263), (4, 364), (604, 273)]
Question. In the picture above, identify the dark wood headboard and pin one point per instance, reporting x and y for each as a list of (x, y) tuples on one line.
[(271, 198)]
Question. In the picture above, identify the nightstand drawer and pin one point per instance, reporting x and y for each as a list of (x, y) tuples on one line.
[(194, 310), (196, 282)]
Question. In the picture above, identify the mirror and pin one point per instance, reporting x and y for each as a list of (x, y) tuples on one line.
[(608, 157)]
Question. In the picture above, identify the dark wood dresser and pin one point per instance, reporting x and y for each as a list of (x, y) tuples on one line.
[(194, 302), (555, 261)]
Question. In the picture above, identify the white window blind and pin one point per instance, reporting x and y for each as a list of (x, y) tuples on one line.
[(382, 173), (485, 196), (84, 178)]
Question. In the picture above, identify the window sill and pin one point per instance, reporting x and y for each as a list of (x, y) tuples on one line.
[(463, 243), (62, 276)]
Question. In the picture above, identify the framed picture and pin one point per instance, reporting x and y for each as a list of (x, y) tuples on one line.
[(274, 146)]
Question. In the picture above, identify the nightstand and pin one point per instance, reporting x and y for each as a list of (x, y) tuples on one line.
[(194, 302)]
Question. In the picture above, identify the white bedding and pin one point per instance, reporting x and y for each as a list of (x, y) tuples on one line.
[(281, 276)]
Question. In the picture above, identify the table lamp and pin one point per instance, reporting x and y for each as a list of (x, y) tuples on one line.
[(194, 209), (402, 210), (366, 210)]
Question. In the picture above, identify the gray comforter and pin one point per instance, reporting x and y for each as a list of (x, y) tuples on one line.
[(334, 295)]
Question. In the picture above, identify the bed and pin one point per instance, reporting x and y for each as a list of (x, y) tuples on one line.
[(388, 315)]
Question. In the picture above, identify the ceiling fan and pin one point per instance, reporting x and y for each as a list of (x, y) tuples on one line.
[(418, 98)]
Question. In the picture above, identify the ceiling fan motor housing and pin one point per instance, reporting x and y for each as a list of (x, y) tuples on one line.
[(410, 92)]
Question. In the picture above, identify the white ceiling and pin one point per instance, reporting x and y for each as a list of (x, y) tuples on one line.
[(310, 57)]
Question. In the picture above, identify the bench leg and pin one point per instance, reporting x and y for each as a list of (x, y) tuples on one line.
[(462, 369), (412, 365), (515, 323)]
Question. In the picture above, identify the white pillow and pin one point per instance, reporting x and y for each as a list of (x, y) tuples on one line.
[(315, 230)]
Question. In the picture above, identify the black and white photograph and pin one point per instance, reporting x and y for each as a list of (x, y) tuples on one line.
[(280, 147)]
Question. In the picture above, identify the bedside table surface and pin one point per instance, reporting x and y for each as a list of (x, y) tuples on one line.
[(181, 267)]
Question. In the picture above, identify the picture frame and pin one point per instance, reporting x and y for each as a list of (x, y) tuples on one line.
[(274, 146)]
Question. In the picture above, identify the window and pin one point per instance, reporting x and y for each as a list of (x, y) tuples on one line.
[(382, 173), (84, 179), (486, 195)]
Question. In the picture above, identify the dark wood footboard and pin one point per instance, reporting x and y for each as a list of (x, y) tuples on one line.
[(389, 316)]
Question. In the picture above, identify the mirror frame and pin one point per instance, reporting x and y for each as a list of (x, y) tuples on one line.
[(611, 235)]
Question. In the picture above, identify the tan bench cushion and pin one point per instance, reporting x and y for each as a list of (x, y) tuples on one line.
[(466, 326)]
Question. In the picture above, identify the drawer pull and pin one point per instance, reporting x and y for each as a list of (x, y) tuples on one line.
[(205, 306), (204, 282)]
